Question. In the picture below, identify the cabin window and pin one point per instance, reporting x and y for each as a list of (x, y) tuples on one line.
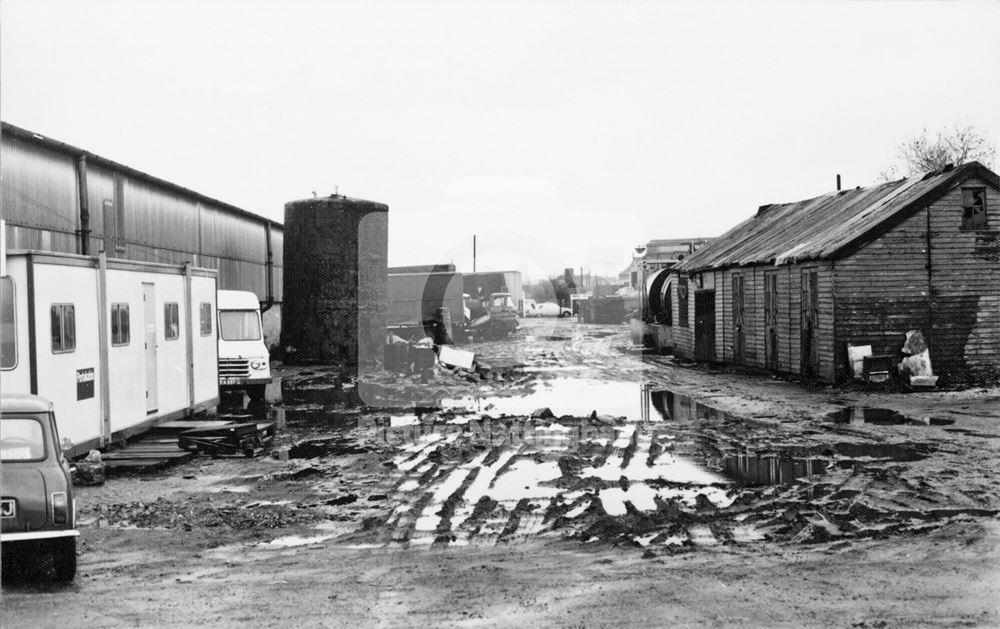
[(120, 331), (239, 325), (63, 318), (205, 311), (682, 303), (974, 208), (8, 327), (171, 321)]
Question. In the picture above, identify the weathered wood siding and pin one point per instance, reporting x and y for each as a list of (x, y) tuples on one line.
[(882, 291), (964, 334), (927, 274), (788, 318), (683, 334)]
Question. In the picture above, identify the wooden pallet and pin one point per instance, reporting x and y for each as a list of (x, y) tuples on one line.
[(159, 448)]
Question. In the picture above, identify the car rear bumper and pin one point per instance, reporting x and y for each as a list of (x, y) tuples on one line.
[(36, 535)]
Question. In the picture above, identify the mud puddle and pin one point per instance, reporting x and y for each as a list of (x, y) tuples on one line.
[(859, 415)]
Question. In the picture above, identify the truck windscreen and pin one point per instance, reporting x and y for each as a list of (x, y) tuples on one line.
[(239, 325)]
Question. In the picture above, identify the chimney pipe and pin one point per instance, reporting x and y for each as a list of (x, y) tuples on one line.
[(838, 183)]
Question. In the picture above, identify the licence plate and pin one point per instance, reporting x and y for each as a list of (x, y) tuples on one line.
[(230, 380), (7, 508)]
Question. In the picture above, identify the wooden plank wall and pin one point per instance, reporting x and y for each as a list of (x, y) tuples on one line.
[(788, 317), (683, 335), (965, 285), (882, 291), (885, 289)]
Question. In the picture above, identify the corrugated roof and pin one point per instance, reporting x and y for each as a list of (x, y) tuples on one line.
[(826, 226)]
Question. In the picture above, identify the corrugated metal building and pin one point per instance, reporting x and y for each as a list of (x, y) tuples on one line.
[(56, 197), (790, 288)]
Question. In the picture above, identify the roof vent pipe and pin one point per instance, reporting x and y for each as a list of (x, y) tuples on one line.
[(838, 183)]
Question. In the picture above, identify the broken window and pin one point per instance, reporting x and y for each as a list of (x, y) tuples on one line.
[(682, 302), (63, 320), (206, 318), (120, 330), (974, 208), (171, 321), (8, 327)]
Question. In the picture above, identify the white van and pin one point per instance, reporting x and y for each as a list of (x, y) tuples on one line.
[(243, 357)]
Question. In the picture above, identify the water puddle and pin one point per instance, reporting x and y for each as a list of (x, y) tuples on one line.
[(858, 415), (754, 470)]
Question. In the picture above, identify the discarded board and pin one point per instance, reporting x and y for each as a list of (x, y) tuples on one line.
[(456, 357)]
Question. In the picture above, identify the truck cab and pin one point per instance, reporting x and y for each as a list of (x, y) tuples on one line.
[(244, 362)]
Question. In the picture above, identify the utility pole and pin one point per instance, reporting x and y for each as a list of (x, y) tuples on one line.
[(473, 253)]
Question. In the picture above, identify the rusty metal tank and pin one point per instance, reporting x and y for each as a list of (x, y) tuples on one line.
[(335, 277)]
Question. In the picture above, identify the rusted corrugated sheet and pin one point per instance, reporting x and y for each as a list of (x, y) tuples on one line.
[(825, 226)]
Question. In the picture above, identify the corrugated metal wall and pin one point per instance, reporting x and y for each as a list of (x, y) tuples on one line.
[(132, 216)]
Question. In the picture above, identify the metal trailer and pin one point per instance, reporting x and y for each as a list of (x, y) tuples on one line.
[(415, 299), (116, 345)]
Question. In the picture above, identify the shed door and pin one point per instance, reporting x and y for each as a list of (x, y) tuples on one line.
[(704, 324), (149, 310), (809, 323), (739, 334), (771, 320)]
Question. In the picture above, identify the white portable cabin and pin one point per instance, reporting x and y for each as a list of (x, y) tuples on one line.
[(116, 345)]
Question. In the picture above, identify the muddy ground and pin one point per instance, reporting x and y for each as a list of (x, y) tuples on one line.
[(569, 481)]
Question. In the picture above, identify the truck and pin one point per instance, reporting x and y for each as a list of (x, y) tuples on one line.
[(484, 284), (494, 317), (244, 362)]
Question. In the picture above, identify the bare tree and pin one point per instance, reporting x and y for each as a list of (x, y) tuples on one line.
[(929, 153)]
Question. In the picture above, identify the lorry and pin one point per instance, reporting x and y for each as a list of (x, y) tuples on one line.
[(244, 362), (495, 317)]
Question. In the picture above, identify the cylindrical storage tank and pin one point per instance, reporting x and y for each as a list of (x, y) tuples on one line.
[(335, 276)]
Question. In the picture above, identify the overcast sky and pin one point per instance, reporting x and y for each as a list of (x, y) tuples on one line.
[(562, 133)]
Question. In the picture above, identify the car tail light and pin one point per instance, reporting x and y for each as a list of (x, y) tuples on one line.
[(60, 508)]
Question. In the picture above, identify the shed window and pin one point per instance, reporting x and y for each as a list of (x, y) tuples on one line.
[(974, 208), (682, 303), (63, 318), (171, 321), (8, 325), (120, 330), (205, 312)]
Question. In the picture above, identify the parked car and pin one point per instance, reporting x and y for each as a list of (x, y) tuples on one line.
[(37, 510), (545, 309)]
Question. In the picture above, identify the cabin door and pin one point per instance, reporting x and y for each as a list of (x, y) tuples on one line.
[(149, 314), (704, 324), (739, 333), (771, 321), (809, 323)]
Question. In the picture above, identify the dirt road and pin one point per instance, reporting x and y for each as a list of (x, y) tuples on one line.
[(570, 481)]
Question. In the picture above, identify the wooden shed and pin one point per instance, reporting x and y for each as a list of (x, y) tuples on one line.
[(789, 289)]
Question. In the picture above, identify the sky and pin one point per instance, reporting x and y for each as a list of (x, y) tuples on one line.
[(561, 134)]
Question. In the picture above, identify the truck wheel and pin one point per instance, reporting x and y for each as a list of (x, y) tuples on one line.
[(64, 558), (256, 393)]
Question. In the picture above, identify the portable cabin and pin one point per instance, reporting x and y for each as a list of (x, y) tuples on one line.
[(791, 288), (116, 345)]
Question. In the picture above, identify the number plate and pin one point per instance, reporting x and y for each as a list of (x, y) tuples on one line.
[(7, 508), (230, 380)]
